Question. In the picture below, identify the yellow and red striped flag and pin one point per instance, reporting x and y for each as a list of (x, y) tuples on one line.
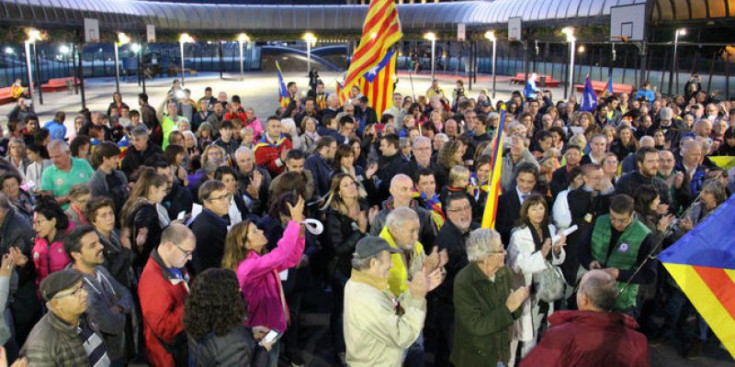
[(491, 206), (702, 263), (381, 30), (377, 84)]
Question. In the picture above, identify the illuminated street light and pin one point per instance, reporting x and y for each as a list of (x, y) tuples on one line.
[(184, 38), (310, 39), (33, 36), (490, 35), (9, 50), (431, 37), (569, 32), (581, 49), (679, 32), (122, 39), (241, 39), (135, 47)]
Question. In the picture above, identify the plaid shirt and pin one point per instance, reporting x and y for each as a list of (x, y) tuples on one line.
[(53, 342)]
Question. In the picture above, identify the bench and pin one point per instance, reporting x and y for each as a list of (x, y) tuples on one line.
[(57, 84), (599, 87), (520, 78), (6, 95)]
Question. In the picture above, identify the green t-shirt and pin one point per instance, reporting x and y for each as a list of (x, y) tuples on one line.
[(60, 182)]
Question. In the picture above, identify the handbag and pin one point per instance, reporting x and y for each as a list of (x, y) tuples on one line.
[(549, 284)]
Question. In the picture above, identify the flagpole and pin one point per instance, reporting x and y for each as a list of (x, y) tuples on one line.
[(413, 92)]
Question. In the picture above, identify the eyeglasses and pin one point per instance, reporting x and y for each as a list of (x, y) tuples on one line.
[(501, 252), (187, 253), (76, 292), (620, 220)]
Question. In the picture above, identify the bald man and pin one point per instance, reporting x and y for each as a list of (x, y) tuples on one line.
[(592, 335), (401, 191)]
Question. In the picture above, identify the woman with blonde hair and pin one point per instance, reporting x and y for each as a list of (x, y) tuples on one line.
[(257, 269)]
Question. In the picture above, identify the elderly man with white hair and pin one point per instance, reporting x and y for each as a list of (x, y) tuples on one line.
[(401, 191), (485, 304), (66, 172), (253, 180), (692, 153)]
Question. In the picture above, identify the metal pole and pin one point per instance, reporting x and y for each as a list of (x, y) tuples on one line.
[(308, 57), (242, 65), (80, 47), (676, 64), (38, 75), (433, 45), (494, 64), (117, 69), (181, 46), (570, 86), (29, 68), (221, 62)]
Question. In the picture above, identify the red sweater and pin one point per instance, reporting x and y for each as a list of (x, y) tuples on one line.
[(162, 297), (588, 338), (268, 154)]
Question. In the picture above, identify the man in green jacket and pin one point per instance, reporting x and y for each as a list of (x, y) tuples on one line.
[(618, 244), (485, 304)]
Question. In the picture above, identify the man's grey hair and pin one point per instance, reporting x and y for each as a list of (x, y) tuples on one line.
[(400, 176), (647, 141), (422, 139), (443, 137), (59, 144), (481, 243), (332, 97), (493, 116), (244, 150), (398, 218), (140, 130), (666, 114), (601, 289), (361, 264), (689, 144)]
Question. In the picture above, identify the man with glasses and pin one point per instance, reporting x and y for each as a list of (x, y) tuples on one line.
[(63, 337), (109, 303), (210, 226), (162, 291), (618, 244), (452, 238)]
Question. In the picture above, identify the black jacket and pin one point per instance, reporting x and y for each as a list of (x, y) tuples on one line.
[(584, 211), (178, 200), (236, 348), (509, 210), (633, 180), (342, 236), (451, 239), (134, 159), (389, 167), (559, 181), (210, 231)]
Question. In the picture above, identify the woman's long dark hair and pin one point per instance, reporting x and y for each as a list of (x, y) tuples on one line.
[(644, 196), (215, 304)]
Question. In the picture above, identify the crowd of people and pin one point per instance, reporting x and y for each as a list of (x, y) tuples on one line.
[(179, 235)]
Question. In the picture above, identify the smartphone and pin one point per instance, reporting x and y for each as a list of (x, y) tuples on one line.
[(271, 337)]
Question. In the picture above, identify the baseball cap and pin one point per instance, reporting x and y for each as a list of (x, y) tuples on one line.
[(371, 246), (59, 281)]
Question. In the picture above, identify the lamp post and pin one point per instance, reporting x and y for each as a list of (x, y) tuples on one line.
[(490, 35), (679, 32), (431, 37), (184, 38), (122, 39), (33, 36), (569, 32), (241, 39), (137, 48), (310, 39)]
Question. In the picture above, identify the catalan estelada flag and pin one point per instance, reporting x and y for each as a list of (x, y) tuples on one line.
[(381, 30), (491, 206), (283, 97), (703, 264), (377, 83), (608, 91)]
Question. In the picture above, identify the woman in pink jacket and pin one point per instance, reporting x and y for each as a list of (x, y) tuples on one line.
[(257, 270), (50, 224)]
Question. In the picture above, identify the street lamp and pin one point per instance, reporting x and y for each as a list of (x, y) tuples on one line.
[(33, 36), (122, 39), (9, 50), (241, 39), (569, 32), (431, 37), (490, 35), (310, 39), (137, 48), (679, 32), (184, 38)]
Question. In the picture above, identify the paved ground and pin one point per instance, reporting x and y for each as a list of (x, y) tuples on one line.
[(259, 91)]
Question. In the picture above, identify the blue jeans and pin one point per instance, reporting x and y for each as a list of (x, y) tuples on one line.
[(414, 355), (273, 355)]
